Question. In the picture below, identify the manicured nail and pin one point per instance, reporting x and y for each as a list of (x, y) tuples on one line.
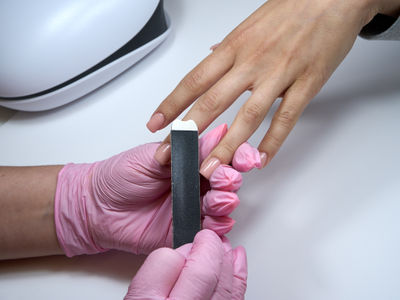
[(156, 122), (163, 154), (263, 157), (215, 46), (209, 166)]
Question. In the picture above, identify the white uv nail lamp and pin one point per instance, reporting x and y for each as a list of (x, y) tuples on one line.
[(54, 52)]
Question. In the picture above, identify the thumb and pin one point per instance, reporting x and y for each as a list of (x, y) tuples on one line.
[(157, 276), (202, 270), (133, 174), (142, 159)]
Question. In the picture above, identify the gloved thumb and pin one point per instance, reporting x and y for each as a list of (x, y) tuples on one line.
[(157, 276)]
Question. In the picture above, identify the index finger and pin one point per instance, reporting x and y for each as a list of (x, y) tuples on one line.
[(194, 84)]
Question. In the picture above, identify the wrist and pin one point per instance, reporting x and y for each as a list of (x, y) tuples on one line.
[(392, 8), (368, 10), (358, 12), (72, 209), (385, 7)]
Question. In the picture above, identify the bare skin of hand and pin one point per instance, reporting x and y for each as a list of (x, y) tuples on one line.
[(286, 48), (27, 226)]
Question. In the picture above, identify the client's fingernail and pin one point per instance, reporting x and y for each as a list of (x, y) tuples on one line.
[(209, 166), (156, 122), (215, 46), (163, 154), (263, 157)]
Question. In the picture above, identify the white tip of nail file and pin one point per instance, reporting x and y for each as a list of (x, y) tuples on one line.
[(189, 125)]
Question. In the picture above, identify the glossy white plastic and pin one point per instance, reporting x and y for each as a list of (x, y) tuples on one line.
[(58, 40)]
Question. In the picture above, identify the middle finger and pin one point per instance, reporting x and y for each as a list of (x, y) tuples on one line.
[(245, 124)]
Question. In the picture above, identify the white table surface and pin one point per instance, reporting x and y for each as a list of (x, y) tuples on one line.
[(321, 222)]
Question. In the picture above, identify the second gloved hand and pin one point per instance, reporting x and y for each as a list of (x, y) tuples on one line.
[(206, 269), (124, 202)]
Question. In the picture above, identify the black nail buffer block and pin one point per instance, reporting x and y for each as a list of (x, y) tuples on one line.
[(185, 182)]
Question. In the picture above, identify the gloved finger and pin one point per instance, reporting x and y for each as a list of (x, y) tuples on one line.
[(142, 157), (219, 203), (157, 275), (184, 250), (239, 273), (246, 158), (226, 243), (225, 178), (224, 286), (128, 175), (210, 140), (220, 225), (200, 274)]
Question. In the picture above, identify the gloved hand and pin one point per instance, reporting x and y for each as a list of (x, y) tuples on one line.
[(206, 269), (124, 202)]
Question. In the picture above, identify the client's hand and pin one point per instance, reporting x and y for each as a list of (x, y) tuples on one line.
[(124, 202), (206, 269)]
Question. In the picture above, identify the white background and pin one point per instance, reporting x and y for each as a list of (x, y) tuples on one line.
[(321, 222)]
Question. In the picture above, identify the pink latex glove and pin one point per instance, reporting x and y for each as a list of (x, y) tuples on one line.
[(206, 269), (124, 202)]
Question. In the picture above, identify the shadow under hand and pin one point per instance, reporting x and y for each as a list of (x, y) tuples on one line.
[(6, 114), (113, 264)]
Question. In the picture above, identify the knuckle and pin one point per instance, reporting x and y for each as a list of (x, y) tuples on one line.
[(225, 49), (310, 83), (251, 112), (225, 151), (317, 75), (272, 140), (193, 80), (319, 78), (209, 102), (237, 38), (169, 108), (286, 118)]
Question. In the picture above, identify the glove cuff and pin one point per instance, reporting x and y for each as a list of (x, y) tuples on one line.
[(72, 210)]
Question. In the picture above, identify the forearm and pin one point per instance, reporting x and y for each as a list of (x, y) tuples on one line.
[(384, 23), (27, 211)]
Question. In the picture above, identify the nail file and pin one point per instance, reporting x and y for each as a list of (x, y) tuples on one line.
[(185, 182)]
